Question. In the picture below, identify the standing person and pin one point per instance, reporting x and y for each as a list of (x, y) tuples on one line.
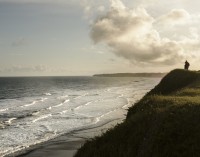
[(187, 64)]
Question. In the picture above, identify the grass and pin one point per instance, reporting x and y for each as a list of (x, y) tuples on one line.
[(174, 81), (165, 123)]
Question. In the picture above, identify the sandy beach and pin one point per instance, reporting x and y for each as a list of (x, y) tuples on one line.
[(62, 147), (67, 145)]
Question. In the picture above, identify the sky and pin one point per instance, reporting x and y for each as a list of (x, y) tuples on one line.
[(86, 37)]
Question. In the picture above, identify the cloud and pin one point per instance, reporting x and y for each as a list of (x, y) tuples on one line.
[(117, 4), (120, 23), (94, 49), (175, 16), (36, 68), (131, 34), (20, 69), (32, 70), (92, 8), (101, 8)]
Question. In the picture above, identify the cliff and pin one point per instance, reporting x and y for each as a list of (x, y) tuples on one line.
[(164, 123)]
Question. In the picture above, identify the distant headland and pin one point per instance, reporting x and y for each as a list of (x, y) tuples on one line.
[(131, 75)]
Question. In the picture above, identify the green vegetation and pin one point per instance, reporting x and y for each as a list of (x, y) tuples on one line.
[(165, 123), (174, 81)]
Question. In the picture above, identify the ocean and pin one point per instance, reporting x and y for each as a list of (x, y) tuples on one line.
[(37, 109)]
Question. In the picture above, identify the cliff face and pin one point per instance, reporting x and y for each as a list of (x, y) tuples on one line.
[(165, 123)]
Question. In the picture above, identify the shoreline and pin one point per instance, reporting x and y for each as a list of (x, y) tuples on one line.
[(65, 145), (75, 139)]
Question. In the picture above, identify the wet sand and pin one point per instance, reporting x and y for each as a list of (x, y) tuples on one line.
[(67, 145), (64, 146)]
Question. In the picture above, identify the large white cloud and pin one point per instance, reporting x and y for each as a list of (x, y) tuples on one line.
[(132, 34)]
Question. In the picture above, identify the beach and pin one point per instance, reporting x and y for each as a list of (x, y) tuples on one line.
[(67, 145)]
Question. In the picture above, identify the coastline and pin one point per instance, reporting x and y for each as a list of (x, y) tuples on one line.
[(75, 139), (66, 145)]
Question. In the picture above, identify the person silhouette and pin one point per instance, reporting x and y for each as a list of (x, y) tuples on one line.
[(187, 64)]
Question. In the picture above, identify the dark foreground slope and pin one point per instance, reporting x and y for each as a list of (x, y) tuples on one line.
[(165, 123)]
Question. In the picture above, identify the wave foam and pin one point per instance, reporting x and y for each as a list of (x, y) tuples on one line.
[(47, 94), (83, 105), (34, 102), (10, 121), (61, 104), (42, 117), (80, 96), (3, 110)]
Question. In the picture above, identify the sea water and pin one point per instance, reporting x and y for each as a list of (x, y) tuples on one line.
[(36, 109)]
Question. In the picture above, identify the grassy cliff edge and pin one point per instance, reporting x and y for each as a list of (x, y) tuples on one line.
[(164, 123)]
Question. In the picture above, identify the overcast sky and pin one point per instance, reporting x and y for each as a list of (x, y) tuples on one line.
[(85, 37)]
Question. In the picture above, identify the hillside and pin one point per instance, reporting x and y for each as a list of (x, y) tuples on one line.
[(165, 123)]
